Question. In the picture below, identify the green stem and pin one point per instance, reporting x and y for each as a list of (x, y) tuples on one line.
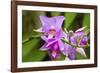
[(27, 39)]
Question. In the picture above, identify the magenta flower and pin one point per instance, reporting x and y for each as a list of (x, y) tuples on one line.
[(51, 26), (76, 41)]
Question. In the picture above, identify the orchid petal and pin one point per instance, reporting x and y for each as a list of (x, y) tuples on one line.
[(51, 22), (48, 21), (81, 51), (44, 48), (71, 51), (54, 51), (59, 21), (44, 20), (44, 38), (54, 55), (56, 46), (50, 43), (60, 34), (72, 56), (83, 41), (79, 34), (45, 23), (69, 47), (73, 40), (62, 47)]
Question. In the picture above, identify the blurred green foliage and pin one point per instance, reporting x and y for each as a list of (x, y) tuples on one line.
[(31, 45)]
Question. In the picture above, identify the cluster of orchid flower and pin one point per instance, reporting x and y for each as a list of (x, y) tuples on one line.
[(58, 41)]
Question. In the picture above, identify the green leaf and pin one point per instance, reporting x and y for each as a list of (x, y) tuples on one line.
[(88, 52), (26, 36), (34, 55), (81, 51), (78, 56), (55, 13), (37, 34), (62, 57), (86, 21), (77, 22), (69, 17), (30, 21), (27, 46), (33, 35)]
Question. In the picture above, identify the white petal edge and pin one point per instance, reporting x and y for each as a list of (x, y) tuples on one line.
[(80, 29), (43, 48), (38, 30)]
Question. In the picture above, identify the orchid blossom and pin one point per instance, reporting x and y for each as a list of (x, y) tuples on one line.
[(51, 26), (76, 42)]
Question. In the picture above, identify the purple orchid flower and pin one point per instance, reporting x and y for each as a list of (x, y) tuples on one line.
[(51, 26), (77, 41)]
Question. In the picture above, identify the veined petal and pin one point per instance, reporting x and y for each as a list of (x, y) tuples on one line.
[(81, 51), (73, 40), (48, 21), (45, 23), (51, 22), (72, 56), (44, 20), (62, 47), (59, 21), (71, 51)]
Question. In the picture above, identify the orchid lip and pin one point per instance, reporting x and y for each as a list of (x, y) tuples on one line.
[(52, 31)]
